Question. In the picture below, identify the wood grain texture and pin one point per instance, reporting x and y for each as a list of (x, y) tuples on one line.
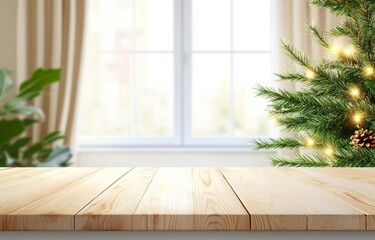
[(187, 199), (216, 207), (190, 199), (328, 212), (167, 204), (356, 187), (278, 201), (55, 210), (114, 209), (25, 185), (267, 208)]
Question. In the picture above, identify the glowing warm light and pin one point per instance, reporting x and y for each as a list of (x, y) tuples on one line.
[(329, 151), (369, 71), (310, 142), (310, 74), (357, 118), (349, 52), (275, 121), (336, 49), (354, 92)]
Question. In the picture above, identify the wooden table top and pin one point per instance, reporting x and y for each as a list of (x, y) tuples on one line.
[(246, 199)]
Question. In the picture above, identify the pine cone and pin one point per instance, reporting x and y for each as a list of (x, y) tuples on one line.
[(363, 138)]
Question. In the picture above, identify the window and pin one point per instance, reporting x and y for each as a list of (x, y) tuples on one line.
[(175, 72)]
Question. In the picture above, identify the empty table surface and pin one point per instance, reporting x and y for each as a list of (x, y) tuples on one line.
[(204, 199)]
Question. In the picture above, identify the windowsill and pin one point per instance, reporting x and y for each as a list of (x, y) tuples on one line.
[(166, 149)]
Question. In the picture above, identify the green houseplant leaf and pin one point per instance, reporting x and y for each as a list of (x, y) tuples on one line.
[(25, 110), (10, 129), (16, 149), (58, 157), (40, 79), (52, 137), (29, 121), (6, 82), (13, 149)]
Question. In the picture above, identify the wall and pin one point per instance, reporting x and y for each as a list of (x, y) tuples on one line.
[(172, 158)]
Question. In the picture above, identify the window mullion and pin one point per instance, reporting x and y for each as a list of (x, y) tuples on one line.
[(178, 117), (133, 78), (231, 106), (186, 70)]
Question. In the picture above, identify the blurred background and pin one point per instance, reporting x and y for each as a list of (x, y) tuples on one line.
[(157, 82)]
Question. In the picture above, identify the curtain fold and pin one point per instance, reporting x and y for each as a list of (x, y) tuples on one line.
[(50, 35), (292, 17)]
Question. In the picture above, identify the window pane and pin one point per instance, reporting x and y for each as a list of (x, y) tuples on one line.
[(154, 86), (110, 25), (106, 95), (211, 24), (249, 111), (251, 24), (210, 94), (154, 25)]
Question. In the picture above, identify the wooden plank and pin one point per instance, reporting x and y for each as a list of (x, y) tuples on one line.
[(113, 210), (20, 173), (25, 185), (268, 210), (333, 213), (167, 203), (354, 186), (55, 210), (278, 201), (190, 199), (216, 206)]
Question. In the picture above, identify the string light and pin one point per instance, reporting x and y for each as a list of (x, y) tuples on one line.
[(354, 92), (336, 49), (357, 118), (339, 50), (275, 121), (349, 52), (369, 70), (329, 151), (310, 142), (310, 74)]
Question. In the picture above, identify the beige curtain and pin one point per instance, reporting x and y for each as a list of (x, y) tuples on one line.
[(291, 19), (50, 35)]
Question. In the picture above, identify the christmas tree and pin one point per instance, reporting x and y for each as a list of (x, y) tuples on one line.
[(335, 113)]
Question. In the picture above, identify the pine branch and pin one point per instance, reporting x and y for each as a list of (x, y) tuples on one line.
[(328, 125), (339, 30), (296, 123), (340, 7), (301, 101), (301, 161), (326, 106), (303, 111), (355, 157), (296, 55), (288, 143), (318, 36), (352, 27), (292, 76), (333, 83)]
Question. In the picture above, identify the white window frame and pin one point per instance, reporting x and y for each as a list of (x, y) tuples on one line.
[(182, 131)]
